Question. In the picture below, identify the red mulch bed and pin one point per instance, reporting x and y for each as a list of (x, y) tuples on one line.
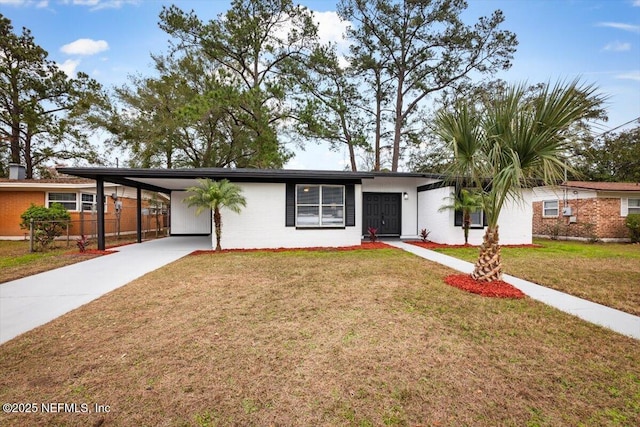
[(496, 289), (433, 245), (364, 245)]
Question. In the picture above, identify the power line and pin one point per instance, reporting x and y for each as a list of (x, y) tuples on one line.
[(618, 127)]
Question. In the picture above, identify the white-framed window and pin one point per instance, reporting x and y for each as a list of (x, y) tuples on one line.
[(74, 201), (89, 202), (550, 209), (319, 205), (68, 200), (633, 206), (477, 219)]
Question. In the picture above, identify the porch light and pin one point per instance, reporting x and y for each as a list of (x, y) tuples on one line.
[(405, 195)]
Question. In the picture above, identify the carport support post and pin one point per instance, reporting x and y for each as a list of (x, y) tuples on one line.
[(139, 214), (100, 209)]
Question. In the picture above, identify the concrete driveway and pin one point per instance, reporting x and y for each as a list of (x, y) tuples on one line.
[(33, 301)]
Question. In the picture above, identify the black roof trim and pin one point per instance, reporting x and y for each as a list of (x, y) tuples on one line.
[(235, 173), (408, 175), (218, 173), (434, 185)]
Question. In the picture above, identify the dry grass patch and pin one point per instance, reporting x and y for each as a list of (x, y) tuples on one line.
[(606, 273), (319, 338)]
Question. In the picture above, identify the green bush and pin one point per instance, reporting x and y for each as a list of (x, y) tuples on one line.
[(48, 223), (633, 224)]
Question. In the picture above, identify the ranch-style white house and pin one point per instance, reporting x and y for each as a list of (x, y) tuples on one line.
[(308, 208)]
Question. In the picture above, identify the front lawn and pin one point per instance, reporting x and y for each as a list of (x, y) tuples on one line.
[(606, 273), (16, 261), (357, 338)]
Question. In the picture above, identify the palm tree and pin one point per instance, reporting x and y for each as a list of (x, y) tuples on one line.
[(468, 202), (214, 195), (515, 141)]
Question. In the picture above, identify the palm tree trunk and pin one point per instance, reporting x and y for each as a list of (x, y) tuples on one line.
[(489, 265), (217, 221), (467, 224)]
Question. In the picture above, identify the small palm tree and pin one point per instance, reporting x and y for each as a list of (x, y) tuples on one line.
[(468, 202), (514, 142), (214, 195)]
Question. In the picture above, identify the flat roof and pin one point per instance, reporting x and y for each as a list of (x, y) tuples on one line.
[(166, 180)]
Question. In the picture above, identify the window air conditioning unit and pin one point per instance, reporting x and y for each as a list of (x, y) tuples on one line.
[(567, 211)]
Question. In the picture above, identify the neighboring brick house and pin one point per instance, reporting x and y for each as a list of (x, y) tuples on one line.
[(585, 210), (78, 196)]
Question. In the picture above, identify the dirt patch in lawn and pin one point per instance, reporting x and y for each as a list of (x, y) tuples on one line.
[(352, 338)]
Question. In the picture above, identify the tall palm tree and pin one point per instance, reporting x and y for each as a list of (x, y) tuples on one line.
[(214, 195), (468, 202), (513, 142)]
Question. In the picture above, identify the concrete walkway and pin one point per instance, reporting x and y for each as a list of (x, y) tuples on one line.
[(35, 300), (616, 320)]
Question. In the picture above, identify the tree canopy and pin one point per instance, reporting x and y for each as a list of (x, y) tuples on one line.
[(410, 50), (611, 157), (251, 51), (43, 112)]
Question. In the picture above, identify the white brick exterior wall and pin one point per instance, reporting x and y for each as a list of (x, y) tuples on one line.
[(514, 221), (261, 224), (184, 219)]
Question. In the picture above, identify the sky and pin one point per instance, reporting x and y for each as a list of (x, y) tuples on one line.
[(597, 41)]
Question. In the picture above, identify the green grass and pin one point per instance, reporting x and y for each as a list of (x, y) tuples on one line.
[(607, 273), (558, 248)]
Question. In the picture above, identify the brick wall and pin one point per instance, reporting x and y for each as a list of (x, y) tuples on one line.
[(596, 217), (611, 224), (14, 203)]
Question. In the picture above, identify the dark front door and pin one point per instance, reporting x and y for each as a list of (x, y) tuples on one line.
[(381, 211)]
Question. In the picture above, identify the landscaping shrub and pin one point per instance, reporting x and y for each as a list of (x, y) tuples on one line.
[(48, 223), (633, 224), (373, 234)]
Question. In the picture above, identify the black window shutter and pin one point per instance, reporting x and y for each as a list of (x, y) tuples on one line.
[(350, 205), (290, 205), (457, 219), (484, 220)]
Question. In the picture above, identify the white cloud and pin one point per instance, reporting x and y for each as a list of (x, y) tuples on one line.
[(636, 3), (617, 46), (108, 4), (92, 4), (69, 66), (632, 75), (330, 27), (99, 4), (621, 26), (85, 47)]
